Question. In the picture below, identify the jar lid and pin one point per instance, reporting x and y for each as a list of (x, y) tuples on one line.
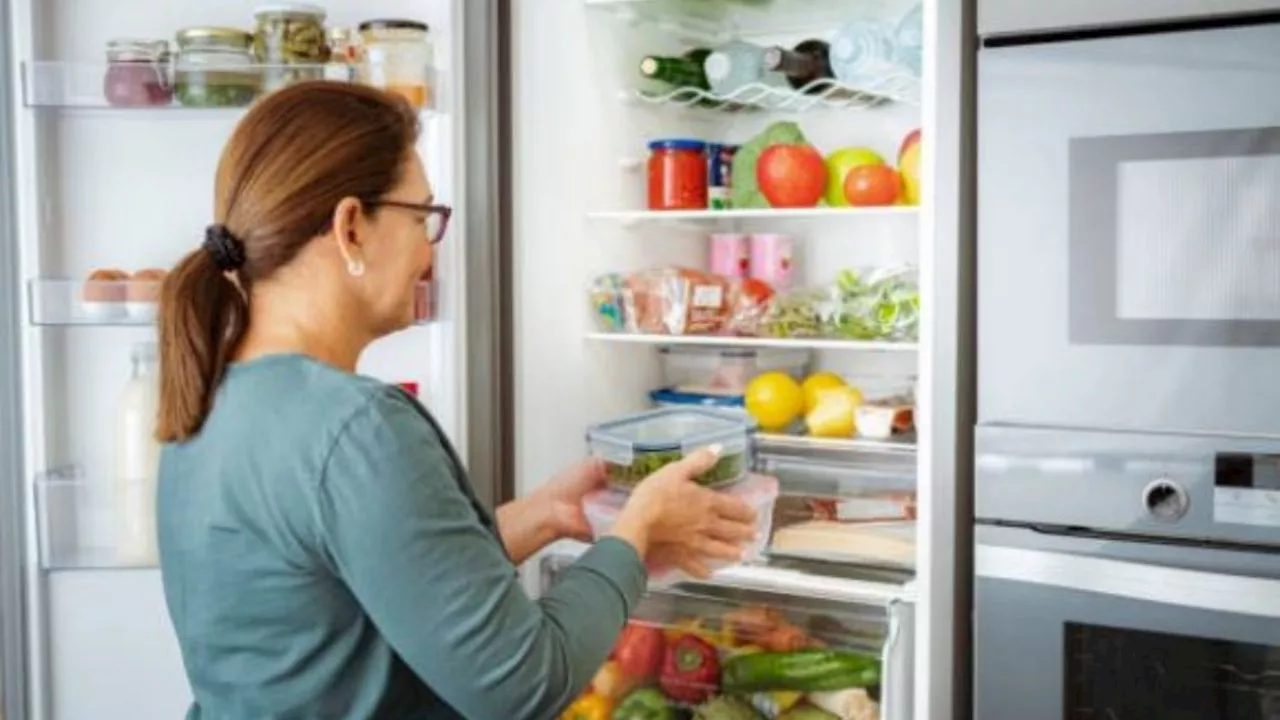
[(305, 9), (393, 24), (677, 144), (222, 36), (137, 49)]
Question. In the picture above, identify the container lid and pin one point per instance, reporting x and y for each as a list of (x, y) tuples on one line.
[(137, 49), (289, 9), (673, 429), (393, 24), (671, 396), (220, 36), (677, 144)]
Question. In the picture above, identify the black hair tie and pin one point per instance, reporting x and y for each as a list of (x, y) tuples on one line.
[(224, 247)]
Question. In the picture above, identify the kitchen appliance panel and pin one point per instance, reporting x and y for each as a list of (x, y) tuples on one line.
[(1129, 255), (1073, 635)]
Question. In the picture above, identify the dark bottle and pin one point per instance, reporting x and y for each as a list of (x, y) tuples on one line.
[(808, 62), (682, 71)]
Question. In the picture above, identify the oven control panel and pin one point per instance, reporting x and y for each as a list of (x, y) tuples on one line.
[(1166, 500)]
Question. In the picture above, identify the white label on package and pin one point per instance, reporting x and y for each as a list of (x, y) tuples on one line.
[(1246, 506), (707, 296)]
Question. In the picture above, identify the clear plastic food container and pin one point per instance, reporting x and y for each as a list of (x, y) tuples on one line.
[(637, 446), (760, 491), (726, 370)]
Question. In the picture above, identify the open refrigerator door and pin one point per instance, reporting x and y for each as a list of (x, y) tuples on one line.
[(118, 119), (725, 208)]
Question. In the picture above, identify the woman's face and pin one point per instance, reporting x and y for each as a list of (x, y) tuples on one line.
[(396, 250)]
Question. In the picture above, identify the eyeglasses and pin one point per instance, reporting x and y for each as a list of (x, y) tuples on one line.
[(437, 215)]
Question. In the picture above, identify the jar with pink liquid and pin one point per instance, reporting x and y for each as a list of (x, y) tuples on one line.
[(730, 254), (771, 260)]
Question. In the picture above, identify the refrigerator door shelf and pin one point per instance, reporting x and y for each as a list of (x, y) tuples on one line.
[(791, 612), (94, 523)]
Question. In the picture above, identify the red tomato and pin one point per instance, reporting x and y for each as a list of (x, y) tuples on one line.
[(791, 175), (872, 185), (639, 651)]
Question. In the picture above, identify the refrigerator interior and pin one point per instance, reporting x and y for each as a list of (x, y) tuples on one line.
[(128, 188), (580, 137)]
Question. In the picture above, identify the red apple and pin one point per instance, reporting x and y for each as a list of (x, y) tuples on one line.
[(868, 185), (791, 176)]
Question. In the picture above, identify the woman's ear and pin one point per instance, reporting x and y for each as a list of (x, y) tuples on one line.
[(348, 226)]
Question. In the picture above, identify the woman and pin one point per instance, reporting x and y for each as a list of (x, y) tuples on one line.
[(323, 554)]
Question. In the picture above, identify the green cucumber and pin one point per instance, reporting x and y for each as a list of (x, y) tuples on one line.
[(802, 671)]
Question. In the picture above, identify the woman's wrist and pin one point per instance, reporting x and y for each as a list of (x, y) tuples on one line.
[(632, 527)]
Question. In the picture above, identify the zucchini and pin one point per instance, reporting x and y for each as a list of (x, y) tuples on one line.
[(802, 671)]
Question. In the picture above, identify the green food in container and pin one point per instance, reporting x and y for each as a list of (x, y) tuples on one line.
[(198, 88), (638, 446)]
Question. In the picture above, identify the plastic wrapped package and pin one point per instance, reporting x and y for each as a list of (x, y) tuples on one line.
[(862, 304), (676, 301)]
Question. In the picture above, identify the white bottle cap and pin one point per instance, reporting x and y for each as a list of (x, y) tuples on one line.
[(717, 66)]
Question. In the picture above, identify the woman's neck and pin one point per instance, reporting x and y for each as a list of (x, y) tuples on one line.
[(281, 321)]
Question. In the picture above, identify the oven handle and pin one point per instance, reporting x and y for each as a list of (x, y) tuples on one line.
[(1225, 593)]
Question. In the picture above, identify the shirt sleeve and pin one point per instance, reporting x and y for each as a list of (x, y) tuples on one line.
[(440, 588)]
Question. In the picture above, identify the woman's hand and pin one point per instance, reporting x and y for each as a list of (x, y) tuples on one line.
[(560, 499), (670, 519)]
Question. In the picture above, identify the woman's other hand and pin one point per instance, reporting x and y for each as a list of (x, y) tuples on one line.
[(561, 499), (671, 519)]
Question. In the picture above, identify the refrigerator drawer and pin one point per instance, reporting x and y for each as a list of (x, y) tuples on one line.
[(860, 512), (866, 630)]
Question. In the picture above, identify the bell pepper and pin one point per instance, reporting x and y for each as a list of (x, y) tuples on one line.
[(690, 670), (645, 704), (589, 707), (639, 651)]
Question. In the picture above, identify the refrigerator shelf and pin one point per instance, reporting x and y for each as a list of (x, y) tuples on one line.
[(759, 97), (69, 85), (718, 20), (632, 217), (801, 445), (80, 523), (753, 342), (131, 303)]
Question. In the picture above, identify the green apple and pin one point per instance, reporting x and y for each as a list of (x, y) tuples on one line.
[(839, 163)]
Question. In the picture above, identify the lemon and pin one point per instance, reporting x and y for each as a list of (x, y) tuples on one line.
[(832, 416), (775, 400), (815, 384)]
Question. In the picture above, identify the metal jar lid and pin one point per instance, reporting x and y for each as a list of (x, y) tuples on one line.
[(221, 37), (393, 24)]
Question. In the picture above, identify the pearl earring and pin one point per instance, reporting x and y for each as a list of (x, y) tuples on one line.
[(355, 267)]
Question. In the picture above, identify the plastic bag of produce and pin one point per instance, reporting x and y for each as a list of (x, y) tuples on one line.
[(675, 301), (750, 301), (797, 314), (606, 303), (875, 304)]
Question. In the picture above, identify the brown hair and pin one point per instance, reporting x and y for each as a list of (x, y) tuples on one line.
[(293, 157)]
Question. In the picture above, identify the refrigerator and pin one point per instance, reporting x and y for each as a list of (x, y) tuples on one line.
[(537, 134)]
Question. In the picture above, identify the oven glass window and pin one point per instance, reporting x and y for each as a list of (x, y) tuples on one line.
[(1124, 674)]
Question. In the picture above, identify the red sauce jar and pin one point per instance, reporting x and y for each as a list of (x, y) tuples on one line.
[(677, 175), (138, 73)]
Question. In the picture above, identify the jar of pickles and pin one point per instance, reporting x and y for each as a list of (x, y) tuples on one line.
[(290, 40), (397, 57), (215, 68), (138, 73)]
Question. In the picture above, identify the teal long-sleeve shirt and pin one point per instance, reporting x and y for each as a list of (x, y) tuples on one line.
[(323, 556)]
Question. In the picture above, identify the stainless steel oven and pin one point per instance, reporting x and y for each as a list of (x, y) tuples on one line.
[(1129, 227), (1126, 576)]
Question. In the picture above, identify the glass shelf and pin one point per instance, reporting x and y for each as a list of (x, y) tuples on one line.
[(132, 303), (725, 19), (818, 95), (634, 217), (81, 522), (70, 85), (753, 342)]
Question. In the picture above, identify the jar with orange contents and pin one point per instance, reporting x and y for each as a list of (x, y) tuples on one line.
[(677, 175)]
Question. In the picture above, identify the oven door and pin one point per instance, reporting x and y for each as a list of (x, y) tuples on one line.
[(1129, 230), (1077, 628)]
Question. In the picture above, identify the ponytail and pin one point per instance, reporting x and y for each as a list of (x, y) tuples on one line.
[(203, 317)]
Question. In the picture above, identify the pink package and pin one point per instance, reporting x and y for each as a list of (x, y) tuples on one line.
[(771, 260), (760, 491), (730, 254)]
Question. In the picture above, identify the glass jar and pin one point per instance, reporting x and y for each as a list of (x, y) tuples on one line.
[(290, 39), (397, 57), (677, 175), (344, 54), (138, 73), (215, 68)]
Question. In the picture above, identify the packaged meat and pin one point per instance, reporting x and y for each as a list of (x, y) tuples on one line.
[(676, 301)]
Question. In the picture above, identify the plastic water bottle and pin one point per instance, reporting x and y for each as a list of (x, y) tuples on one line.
[(737, 64), (863, 54), (909, 40)]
